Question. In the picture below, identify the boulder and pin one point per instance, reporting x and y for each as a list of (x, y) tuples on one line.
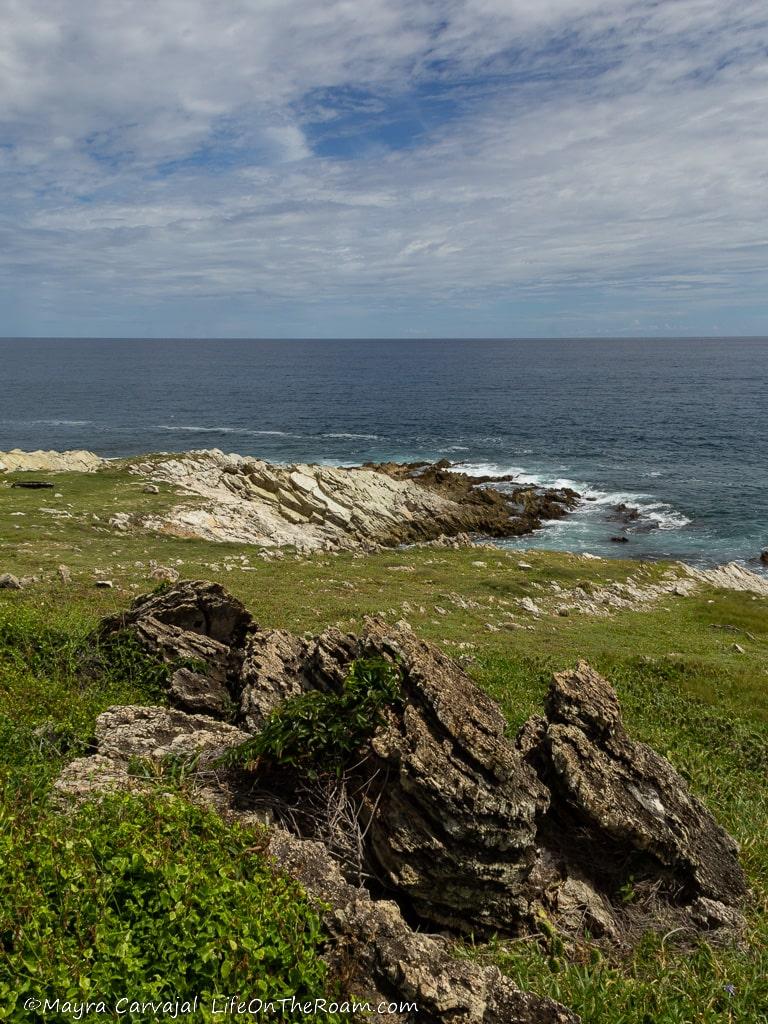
[(205, 609), (156, 733), (9, 582), (625, 800), (199, 631)]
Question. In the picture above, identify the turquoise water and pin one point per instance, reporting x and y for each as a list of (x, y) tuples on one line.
[(676, 428)]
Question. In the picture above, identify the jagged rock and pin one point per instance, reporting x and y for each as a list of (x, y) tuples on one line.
[(459, 825), (452, 825), (190, 606), (200, 694), (373, 945), (625, 799), (271, 672), (199, 630), (315, 507)]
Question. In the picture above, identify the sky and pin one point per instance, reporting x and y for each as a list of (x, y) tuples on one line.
[(383, 168)]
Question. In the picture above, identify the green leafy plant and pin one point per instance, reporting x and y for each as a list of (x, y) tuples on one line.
[(149, 896), (320, 732)]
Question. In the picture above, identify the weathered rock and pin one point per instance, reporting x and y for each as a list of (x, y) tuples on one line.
[(9, 582), (200, 694), (199, 630), (163, 573), (625, 799), (51, 462), (271, 672), (452, 824), (327, 507), (88, 777), (191, 607), (460, 826), (157, 733), (380, 954)]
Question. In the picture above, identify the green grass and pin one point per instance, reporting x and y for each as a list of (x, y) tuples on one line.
[(147, 897), (684, 688)]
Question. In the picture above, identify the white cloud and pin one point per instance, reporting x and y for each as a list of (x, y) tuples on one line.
[(162, 152)]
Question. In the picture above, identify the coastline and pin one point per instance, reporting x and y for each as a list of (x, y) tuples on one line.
[(684, 647)]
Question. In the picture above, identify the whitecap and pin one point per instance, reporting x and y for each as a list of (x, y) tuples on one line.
[(362, 437)]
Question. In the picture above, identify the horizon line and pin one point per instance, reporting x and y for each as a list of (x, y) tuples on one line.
[(404, 338)]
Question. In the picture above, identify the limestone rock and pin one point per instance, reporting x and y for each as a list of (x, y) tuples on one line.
[(271, 672), (455, 822), (380, 953), (199, 630), (200, 694), (315, 507), (203, 609), (626, 799), (50, 461), (87, 777), (155, 733), (163, 573)]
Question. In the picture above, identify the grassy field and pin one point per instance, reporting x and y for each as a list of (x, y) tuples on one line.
[(692, 674)]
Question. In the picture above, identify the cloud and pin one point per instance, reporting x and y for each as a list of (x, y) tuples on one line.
[(359, 165)]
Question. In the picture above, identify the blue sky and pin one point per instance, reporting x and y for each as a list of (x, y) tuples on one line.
[(370, 168)]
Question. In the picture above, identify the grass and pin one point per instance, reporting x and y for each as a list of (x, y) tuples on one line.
[(684, 687)]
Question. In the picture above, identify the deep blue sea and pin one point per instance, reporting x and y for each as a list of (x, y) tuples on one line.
[(678, 428)]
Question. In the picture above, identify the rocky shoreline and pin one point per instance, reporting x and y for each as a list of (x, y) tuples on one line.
[(315, 507)]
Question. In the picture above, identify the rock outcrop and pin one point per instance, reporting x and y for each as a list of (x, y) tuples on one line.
[(326, 507), (76, 461), (457, 826)]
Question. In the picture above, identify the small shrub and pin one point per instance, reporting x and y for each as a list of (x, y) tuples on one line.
[(320, 732)]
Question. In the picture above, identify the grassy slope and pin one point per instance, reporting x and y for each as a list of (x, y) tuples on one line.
[(684, 688)]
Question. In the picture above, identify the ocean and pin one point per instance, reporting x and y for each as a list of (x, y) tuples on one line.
[(677, 428)]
